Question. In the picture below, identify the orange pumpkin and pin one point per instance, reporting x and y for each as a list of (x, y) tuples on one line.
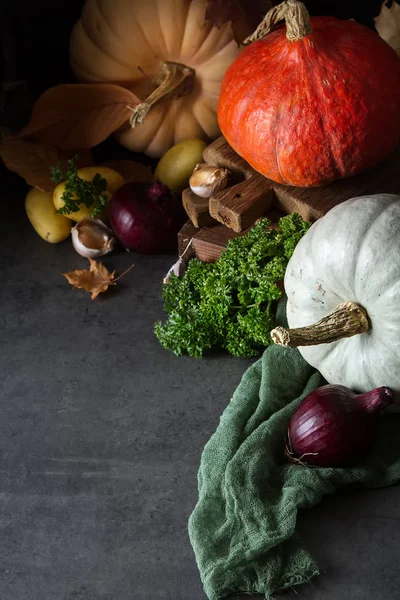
[(313, 102)]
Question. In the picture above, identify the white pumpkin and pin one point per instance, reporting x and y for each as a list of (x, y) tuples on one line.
[(127, 41), (352, 254)]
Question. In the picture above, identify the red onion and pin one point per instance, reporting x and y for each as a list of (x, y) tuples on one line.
[(334, 427), (146, 217)]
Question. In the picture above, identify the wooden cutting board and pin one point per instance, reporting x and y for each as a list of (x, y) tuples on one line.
[(251, 195)]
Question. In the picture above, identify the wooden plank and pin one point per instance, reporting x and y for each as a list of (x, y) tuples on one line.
[(220, 154), (314, 203), (197, 208), (248, 196), (310, 203), (187, 232), (207, 242), (274, 214), (239, 206), (211, 241)]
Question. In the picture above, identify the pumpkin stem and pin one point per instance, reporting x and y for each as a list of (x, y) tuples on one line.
[(297, 22), (173, 79), (345, 320)]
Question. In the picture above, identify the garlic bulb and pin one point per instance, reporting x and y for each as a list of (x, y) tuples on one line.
[(91, 238), (206, 180), (179, 267)]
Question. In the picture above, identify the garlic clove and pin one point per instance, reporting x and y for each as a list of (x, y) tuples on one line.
[(181, 264), (177, 269), (206, 180), (92, 238)]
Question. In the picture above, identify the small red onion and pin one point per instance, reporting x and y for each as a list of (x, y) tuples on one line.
[(146, 217), (334, 427)]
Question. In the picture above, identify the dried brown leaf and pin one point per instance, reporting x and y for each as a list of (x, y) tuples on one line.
[(79, 115), (130, 170), (387, 24), (221, 11), (245, 15), (96, 279), (32, 160)]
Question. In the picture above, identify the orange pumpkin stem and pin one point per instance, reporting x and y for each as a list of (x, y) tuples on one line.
[(296, 17), (173, 80)]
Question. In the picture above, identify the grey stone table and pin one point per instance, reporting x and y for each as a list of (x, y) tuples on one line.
[(101, 432)]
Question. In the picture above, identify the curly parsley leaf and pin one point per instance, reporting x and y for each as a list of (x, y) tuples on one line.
[(231, 303), (79, 191)]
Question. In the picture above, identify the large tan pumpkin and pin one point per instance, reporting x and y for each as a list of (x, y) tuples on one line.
[(127, 42)]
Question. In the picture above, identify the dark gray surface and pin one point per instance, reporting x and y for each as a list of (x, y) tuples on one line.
[(101, 432)]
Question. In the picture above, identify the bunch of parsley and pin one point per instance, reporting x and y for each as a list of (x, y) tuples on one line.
[(78, 191), (231, 303)]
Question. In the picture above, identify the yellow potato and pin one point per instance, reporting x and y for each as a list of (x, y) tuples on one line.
[(78, 215), (114, 181), (46, 222), (176, 166)]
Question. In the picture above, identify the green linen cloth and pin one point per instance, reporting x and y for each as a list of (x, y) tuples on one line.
[(243, 527)]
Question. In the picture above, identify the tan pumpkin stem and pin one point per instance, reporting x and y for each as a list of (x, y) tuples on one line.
[(297, 22), (344, 321), (173, 79)]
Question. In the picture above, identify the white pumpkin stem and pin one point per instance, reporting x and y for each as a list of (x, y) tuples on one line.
[(173, 79), (344, 321), (296, 17)]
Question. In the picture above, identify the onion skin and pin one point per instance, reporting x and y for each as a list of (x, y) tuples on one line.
[(334, 427), (146, 217)]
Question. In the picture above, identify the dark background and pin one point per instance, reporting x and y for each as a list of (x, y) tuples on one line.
[(34, 41), (40, 34)]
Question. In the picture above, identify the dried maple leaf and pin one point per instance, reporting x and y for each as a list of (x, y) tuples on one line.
[(387, 24), (96, 279), (130, 170), (79, 115), (32, 160)]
